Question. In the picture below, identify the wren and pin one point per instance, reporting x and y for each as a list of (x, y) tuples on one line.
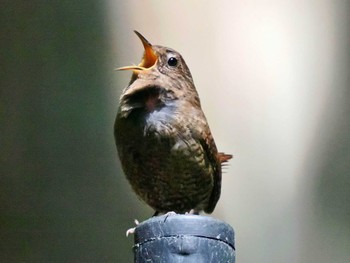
[(164, 143)]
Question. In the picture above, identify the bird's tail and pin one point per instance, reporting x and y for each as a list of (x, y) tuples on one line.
[(223, 158)]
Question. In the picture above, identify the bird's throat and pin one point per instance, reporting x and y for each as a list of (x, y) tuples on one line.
[(146, 100), (151, 101)]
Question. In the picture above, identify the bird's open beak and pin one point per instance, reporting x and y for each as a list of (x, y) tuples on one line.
[(149, 57)]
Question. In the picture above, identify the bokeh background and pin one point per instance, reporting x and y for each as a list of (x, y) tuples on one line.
[(273, 77)]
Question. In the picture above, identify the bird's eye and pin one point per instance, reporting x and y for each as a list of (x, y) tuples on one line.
[(172, 62)]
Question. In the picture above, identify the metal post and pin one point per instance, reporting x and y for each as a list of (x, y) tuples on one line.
[(184, 238)]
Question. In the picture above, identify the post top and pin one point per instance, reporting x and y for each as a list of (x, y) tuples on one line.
[(184, 225)]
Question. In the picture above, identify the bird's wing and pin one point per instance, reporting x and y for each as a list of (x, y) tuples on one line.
[(215, 160), (211, 155)]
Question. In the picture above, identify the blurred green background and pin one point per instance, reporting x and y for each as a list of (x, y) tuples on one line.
[(61, 192), (273, 77)]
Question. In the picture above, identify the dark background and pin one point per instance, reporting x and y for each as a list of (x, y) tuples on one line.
[(62, 196)]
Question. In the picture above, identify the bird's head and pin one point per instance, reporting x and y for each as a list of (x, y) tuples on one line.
[(160, 66)]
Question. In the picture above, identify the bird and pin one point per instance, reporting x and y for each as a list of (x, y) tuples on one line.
[(163, 140)]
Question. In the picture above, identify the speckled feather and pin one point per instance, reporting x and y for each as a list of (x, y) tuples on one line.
[(163, 139)]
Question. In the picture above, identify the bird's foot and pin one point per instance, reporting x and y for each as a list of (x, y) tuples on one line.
[(132, 230), (192, 212), (171, 213)]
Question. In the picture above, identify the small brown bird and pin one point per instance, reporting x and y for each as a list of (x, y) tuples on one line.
[(163, 139)]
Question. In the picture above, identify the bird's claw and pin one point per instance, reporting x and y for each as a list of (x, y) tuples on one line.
[(192, 212), (171, 213), (132, 230)]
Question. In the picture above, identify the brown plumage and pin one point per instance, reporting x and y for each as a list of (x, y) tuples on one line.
[(163, 139)]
